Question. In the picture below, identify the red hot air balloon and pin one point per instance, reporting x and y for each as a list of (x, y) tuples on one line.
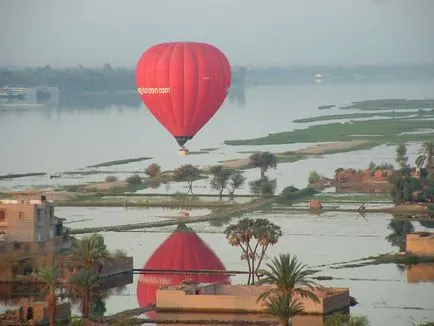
[(182, 250), (183, 84)]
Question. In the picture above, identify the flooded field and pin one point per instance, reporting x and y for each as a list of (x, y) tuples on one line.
[(73, 139), (384, 292)]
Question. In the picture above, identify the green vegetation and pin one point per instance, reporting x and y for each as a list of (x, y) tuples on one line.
[(426, 158), (222, 177), (119, 162), (289, 278), (48, 276), (407, 259), (187, 173), (353, 198), (209, 149), (153, 170), (314, 177), (21, 175), (198, 152), (77, 79), (111, 178), (391, 104), (292, 193), (263, 161), (263, 186), (401, 156), (362, 115), (340, 319), (380, 131), (253, 237)]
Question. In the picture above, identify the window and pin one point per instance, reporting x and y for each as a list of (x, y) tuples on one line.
[(2, 216), (21, 215)]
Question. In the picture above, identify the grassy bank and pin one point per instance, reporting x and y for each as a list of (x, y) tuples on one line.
[(391, 104), (21, 175), (119, 162), (361, 115), (378, 131), (387, 259)]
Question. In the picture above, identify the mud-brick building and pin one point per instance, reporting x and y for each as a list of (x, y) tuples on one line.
[(30, 235), (28, 220), (420, 243)]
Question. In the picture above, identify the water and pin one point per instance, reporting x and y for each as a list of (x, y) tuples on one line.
[(61, 139), (68, 137), (383, 292)]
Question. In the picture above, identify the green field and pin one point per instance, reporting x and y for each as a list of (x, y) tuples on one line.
[(119, 162), (363, 115), (380, 131), (391, 104)]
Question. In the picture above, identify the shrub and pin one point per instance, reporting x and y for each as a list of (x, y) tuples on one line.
[(111, 178), (314, 177), (153, 170), (134, 180)]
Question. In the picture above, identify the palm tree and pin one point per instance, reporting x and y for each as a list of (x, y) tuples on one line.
[(48, 278), (426, 154), (90, 251), (289, 277), (82, 284), (283, 307)]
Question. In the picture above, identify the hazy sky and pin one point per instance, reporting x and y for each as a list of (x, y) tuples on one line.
[(273, 32)]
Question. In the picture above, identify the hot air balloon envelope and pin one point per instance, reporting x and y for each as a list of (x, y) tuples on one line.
[(183, 84)]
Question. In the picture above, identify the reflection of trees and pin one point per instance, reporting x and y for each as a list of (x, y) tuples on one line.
[(237, 95), (221, 221), (97, 306), (427, 224), (400, 230), (263, 186), (72, 101)]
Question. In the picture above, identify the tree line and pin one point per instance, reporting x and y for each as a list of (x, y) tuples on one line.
[(83, 79)]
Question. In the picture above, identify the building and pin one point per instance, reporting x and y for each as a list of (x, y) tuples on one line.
[(420, 243), (228, 298), (30, 235), (29, 220)]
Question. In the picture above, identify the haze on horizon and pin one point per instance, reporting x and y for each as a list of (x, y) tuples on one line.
[(249, 32)]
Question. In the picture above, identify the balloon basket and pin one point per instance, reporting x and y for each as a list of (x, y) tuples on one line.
[(183, 151)]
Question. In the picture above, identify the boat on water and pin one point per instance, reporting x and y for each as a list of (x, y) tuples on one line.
[(10, 93)]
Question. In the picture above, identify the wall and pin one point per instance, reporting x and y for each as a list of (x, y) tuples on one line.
[(63, 311), (28, 254), (420, 245), (19, 224), (27, 222), (171, 299)]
